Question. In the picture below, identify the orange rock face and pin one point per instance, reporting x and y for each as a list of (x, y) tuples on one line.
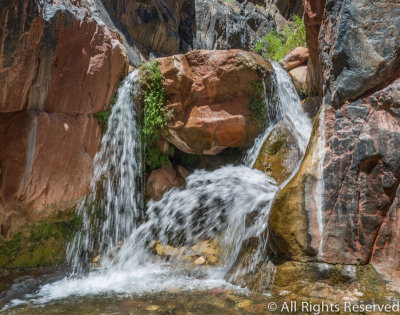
[(57, 65), (66, 63), (295, 58), (209, 92), (45, 164)]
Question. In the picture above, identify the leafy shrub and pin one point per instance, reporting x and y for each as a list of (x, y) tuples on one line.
[(275, 46), (155, 114), (257, 105)]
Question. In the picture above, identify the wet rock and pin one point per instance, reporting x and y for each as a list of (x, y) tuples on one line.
[(160, 181), (38, 174), (152, 308), (295, 58), (59, 49), (299, 76), (200, 261), (311, 106), (209, 115), (279, 154)]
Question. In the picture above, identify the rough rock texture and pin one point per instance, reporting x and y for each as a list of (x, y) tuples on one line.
[(152, 24), (41, 155), (221, 26), (288, 7), (279, 154), (160, 181), (359, 161), (311, 105), (313, 12), (295, 58), (210, 93), (43, 59), (57, 65)]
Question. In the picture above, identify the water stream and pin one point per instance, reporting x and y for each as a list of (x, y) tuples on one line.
[(230, 204)]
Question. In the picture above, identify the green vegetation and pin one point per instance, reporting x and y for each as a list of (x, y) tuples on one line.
[(257, 105), (275, 46), (155, 114), (39, 244)]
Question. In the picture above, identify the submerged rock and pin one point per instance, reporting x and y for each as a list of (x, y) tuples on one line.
[(210, 92)]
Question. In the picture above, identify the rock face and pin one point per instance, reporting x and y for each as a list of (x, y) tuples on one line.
[(152, 24), (289, 7), (57, 66), (352, 167), (313, 12), (43, 59), (221, 26), (210, 93), (46, 164)]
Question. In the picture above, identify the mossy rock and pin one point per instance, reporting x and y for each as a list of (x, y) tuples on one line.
[(279, 154), (39, 243)]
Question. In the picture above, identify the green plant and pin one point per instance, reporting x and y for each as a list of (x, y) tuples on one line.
[(257, 105), (275, 46), (155, 114)]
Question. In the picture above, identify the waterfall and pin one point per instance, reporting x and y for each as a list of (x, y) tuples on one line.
[(229, 205), (288, 110), (114, 205)]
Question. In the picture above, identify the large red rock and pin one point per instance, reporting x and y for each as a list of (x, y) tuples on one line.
[(209, 92), (46, 162), (342, 206), (63, 62)]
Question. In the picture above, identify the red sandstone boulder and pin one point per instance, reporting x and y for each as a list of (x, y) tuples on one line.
[(209, 92), (295, 58), (160, 181), (63, 62), (46, 162)]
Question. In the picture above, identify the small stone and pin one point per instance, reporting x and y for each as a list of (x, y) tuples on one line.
[(152, 308), (212, 260), (200, 261), (96, 259)]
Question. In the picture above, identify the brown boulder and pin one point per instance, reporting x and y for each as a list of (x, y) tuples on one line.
[(299, 76), (65, 62), (295, 58), (209, 92), (46, 164), (160, 181)]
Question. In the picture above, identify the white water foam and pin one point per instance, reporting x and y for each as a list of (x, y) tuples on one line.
[(231, 204)]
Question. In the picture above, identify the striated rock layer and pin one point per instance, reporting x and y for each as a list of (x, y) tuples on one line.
[(209, 93), (352, 169), (57, 59), (58, 64)]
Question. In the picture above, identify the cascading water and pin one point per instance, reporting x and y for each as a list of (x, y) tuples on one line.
[(288, 111), (230, 204), (114, 206)]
